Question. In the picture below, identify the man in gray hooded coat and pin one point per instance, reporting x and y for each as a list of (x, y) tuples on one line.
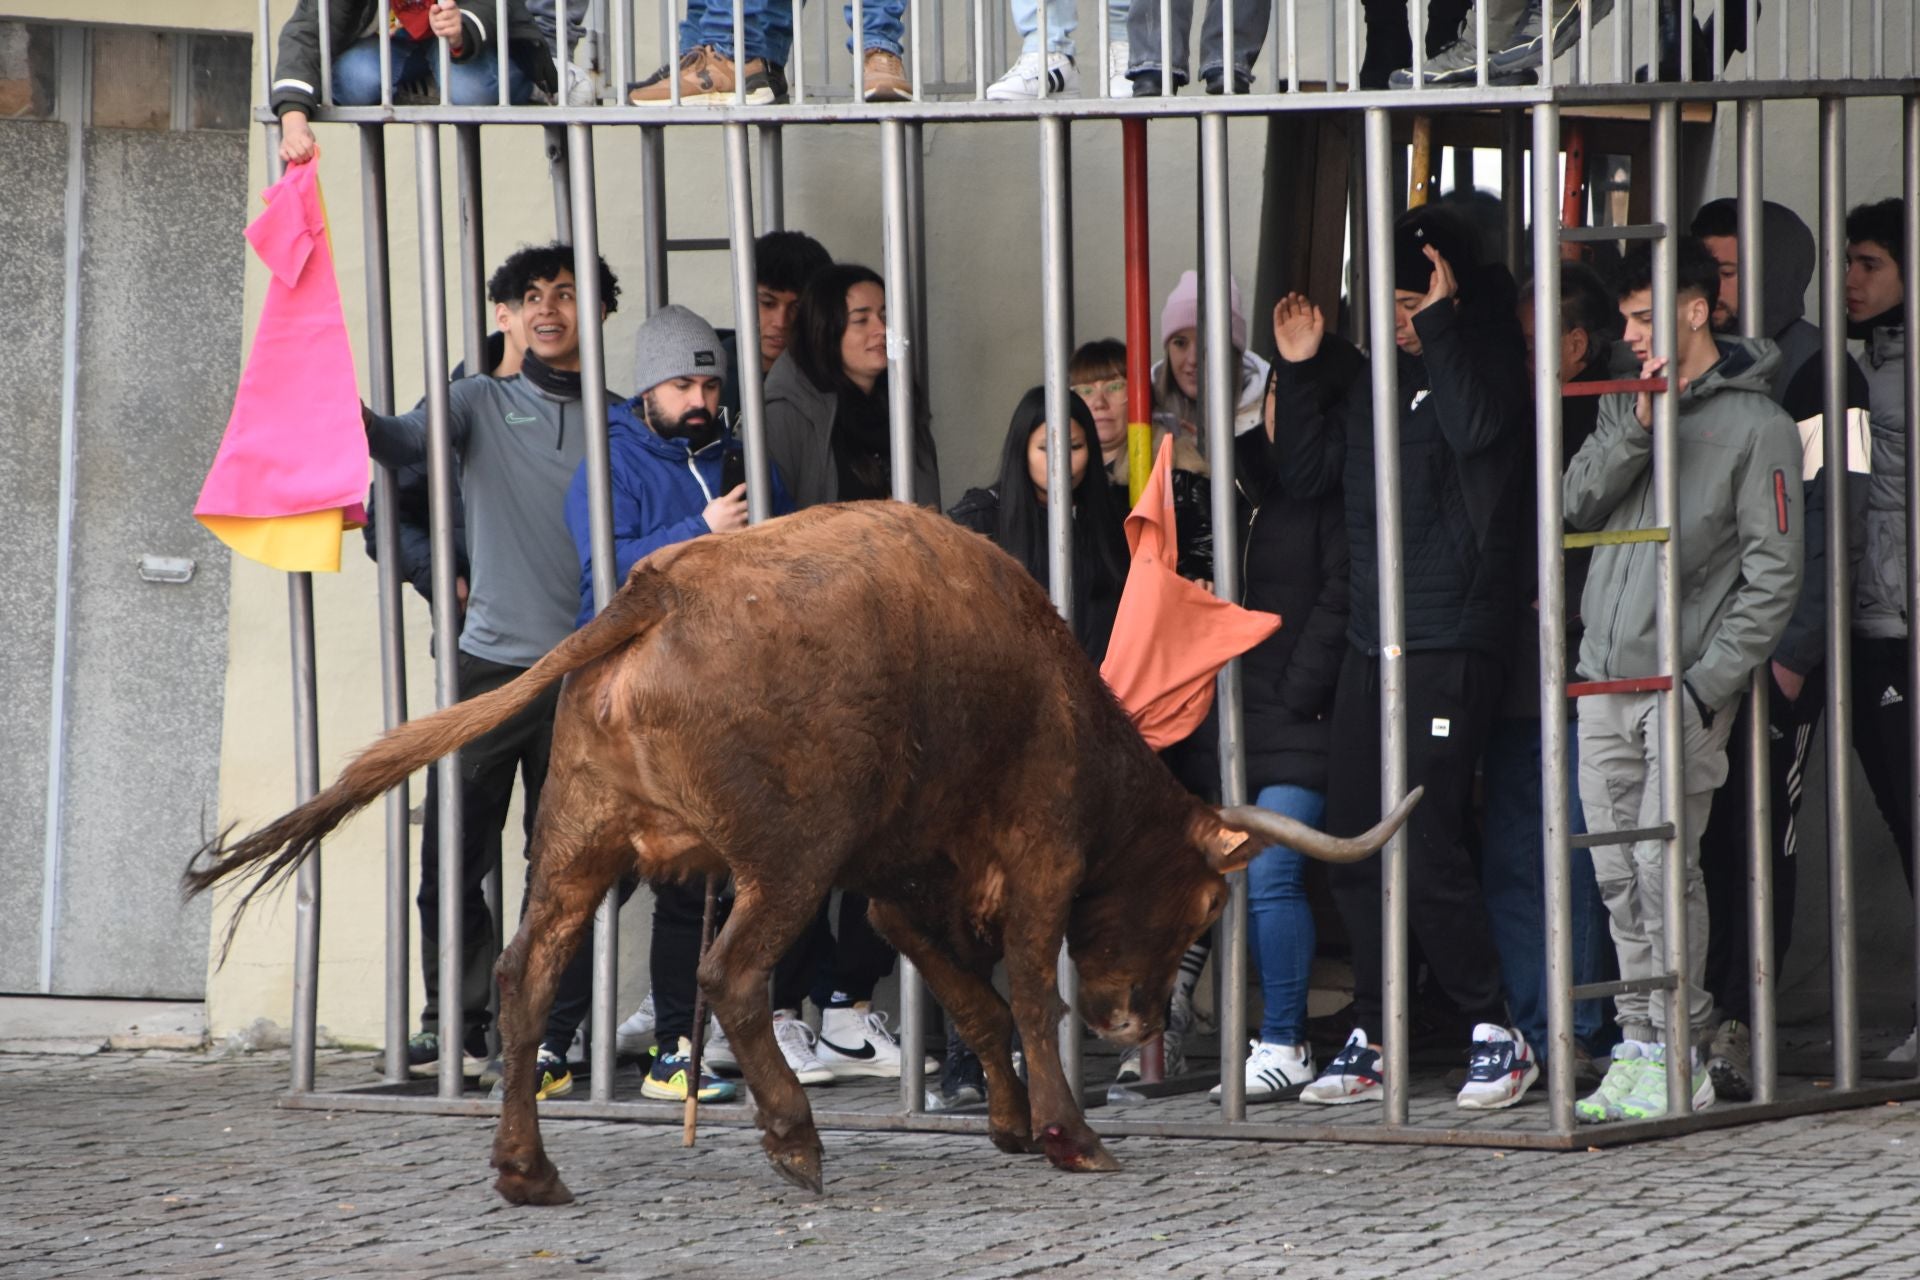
[(1739, 552)]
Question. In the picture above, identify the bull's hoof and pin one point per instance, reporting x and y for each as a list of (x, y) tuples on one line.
[(1015, 1142), (518, 1188), (1082, 1155), (801, 1168)]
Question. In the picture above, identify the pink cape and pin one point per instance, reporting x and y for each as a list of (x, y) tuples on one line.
[(294, 445), (1172, 635)]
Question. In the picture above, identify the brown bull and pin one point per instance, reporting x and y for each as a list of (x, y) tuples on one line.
[(864, 696)]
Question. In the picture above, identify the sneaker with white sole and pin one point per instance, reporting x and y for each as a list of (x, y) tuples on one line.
[(1118, 86), (1730, 1061), (1353, 1075), (796, 1040), (634, 1038), (1500, 1071), (666, 1080), (1908, 1050), (1022, 80), (716, 1051), (1623, 1075), (1272, 1069), (1647, 1100), (854, 1041)]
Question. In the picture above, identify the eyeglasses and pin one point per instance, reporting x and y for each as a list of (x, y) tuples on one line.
[(1087, 390)]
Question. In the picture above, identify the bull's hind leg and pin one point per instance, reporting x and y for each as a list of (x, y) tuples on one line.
[(759, 930), (984, 1020), (571, 873)]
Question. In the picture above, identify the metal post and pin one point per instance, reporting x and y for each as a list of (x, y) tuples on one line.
[(385, 26), (264, 44), (1055, 250), (746, 326), (1105, 35), (653, 214), (1555, 851), (1223, 385), (859, 53), (562, 183), (325, 25), (1910, 184), (920, 349), (1480, 48), (1042, 34), (593, 407), (1666, 487), (473, 266), (1229, 76), (1293, 44), (1393, 671), (501, 47), (979, 51), (1133, 190), (1513, 169), (446, 619), (773, 182), (393, 653), (1166, 47), (901, 288), (1760, 971), (1353, 46), (621, 37), (1833, 301)]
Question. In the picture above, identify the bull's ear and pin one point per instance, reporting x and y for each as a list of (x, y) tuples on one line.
[(1229, 849)]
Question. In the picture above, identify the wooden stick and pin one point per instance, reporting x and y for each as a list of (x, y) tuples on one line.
[(691, 1118)]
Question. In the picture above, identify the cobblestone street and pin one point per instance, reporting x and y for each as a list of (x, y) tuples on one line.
[(173, 1164)]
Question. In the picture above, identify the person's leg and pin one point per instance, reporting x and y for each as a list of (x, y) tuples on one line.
[(1389, 42), (860, 958), (1882, 735), (1723, 870), (716, 26), (673, 959), (883, 25), (1249, 33), (1143, 38), (1798, 721), (1592, 957), (1613, 779), (1281, 922), (777, 23), (356, 71), (1353, 805), (1511, 871), (427, 898)]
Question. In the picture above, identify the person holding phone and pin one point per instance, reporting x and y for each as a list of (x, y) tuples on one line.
[(669, 453)]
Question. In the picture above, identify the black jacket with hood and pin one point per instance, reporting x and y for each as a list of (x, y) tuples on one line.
[(1462, 411), (296, 80)]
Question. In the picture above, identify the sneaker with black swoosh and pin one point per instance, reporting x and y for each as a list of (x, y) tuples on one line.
[(854, 1041)]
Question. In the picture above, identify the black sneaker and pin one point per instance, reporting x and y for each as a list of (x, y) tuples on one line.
[(777, 81), (423, 1053), (1242, 83), (1146, 84), (962, 1080)]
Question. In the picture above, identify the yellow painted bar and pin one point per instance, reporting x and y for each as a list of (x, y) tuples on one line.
[(1139, 460), (1613, 538)]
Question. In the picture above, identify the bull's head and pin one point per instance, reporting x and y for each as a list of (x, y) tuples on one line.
[(1127, 946)]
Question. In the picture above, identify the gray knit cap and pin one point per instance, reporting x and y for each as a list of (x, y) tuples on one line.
[(674, 342)]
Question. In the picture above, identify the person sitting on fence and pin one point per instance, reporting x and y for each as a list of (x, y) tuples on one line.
[(517, 442), (667, 471), (1739, 555), (1098, 375), (417, 28)]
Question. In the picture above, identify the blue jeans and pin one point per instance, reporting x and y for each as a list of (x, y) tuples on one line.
[(1513, 880), (769, 26), (476, 82), (1061, 21), (1281, 922)]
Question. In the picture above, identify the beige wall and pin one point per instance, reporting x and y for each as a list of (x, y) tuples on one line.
[(190, 15)]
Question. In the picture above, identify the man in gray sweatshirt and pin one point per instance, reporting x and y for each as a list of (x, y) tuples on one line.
[(1739, 552), (517, 442)]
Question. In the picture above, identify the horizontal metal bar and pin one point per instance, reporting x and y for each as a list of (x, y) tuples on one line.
[(1597, 990), (1628, 835), (1613, 386), (1612, 538), (700, 244), (1635, 684), (1607, 235)]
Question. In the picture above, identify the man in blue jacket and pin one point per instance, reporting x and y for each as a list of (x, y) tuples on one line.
[(667, 454)]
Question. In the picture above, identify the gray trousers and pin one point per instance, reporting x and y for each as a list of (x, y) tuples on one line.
[(1143, 35), (1620, 761)]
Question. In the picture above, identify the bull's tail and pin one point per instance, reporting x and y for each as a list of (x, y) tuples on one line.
[(275, 851)]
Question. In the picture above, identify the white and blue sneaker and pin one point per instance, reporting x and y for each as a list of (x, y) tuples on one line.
[(1352, 1076), (1500, 1071)]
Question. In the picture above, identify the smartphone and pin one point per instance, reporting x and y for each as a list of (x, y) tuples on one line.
[(733, 469)]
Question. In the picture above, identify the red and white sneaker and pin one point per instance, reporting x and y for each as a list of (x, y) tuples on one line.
[(1500, 1071)]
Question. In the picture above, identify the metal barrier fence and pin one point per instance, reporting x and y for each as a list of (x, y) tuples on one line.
[(570, 139)]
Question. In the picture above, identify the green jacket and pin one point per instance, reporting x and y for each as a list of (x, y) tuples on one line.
[(1739, 541)]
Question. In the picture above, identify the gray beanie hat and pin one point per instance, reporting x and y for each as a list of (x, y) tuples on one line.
[(673, 342)]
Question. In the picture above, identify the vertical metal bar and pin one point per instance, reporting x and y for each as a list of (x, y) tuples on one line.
[(1720, 38), (1547, 8), (1229, 73), (860, 52), (1042, 34), (1666, 486), (620, 18), (1584, 59), (265, 45), (1879, 40), (739, 53), (1846, 39), (1166, 47), (393, 654), (325, 25), (306, 898), (940, 40), (773, 182), (1622, 41), (896, 233), (1555, 850), (1761, 977), (914, 73), (1813, 41), (1359, 288), (1393, 671), (501, 48), (1480, 45), (653, 214), (799, 55), (386, 51), (446, 619), (1513, 170), (1104, 22), (557, 170), (593, 407), (1353, 50), (1223, 385), (1056, 246), (1134, 215), (1840, 834), (473, 268), (445, 68), (1752, 58), (1333, 47), (1782, 42), (746, 326), (920, 348), (979, 50), (1293, 44), (670, 16), (1910, 187)]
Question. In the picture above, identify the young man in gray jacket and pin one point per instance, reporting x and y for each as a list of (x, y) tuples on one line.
[(1739, 552)]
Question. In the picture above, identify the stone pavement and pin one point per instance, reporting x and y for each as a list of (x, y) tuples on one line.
[(176, 1164)]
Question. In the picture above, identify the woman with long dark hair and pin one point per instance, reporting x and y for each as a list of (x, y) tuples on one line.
[(1013, 512)]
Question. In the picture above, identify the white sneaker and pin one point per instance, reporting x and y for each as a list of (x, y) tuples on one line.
[(1272, 1069), (1500, 1071), (855, 1042), (717, 1053), (1118, 86), (634, 1038), (1909, 1048), (580, 91), (796, 1039), (1022, 80)]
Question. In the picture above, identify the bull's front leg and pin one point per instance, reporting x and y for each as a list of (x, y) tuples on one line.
[(1033, 946)]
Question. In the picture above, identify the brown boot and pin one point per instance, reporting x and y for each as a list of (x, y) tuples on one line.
[(706, 77), (886, 78)]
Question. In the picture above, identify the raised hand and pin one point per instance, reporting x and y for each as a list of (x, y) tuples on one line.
[(1443, 286), (1298, 328)]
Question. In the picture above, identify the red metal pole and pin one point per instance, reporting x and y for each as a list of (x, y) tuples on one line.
[(1133, 135)]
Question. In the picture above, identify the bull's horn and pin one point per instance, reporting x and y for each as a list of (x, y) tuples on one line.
[(1278, 828)]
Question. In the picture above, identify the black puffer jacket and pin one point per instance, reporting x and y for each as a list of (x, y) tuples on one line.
[(1463, 405), (296, 69)]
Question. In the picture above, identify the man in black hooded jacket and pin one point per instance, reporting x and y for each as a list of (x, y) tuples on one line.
[(1463, 402)]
